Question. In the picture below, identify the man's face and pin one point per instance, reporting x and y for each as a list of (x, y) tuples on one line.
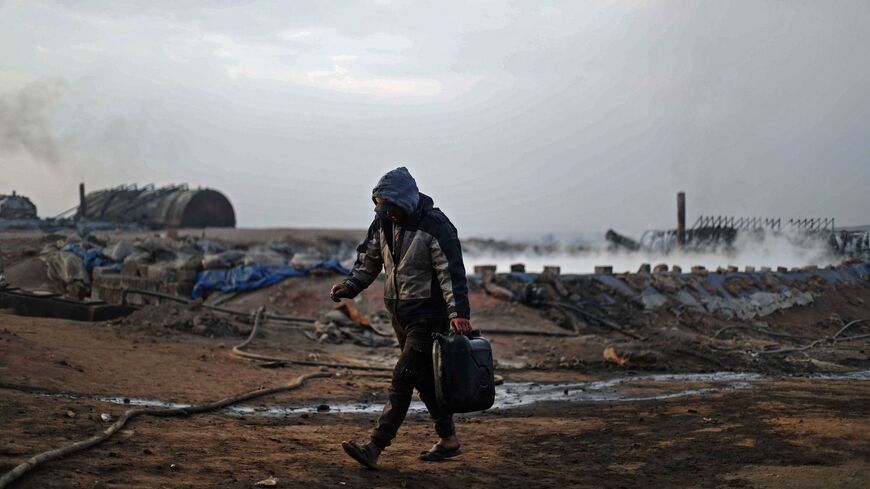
[(389, 210)]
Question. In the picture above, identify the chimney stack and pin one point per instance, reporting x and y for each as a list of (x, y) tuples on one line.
[(681, 219), (81, 212)]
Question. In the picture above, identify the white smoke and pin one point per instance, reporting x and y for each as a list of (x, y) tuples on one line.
[(55, 134), (771, 250), (26, 120)]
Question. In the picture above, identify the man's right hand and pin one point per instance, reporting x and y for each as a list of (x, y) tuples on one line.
[(339, 292)]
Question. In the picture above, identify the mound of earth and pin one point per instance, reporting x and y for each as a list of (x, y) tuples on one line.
[(162, 319)]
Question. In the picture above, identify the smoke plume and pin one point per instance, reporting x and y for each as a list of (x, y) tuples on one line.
[(26, 120), (769, 250)]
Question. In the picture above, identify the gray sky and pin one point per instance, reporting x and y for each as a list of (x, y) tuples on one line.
[(521, 117)]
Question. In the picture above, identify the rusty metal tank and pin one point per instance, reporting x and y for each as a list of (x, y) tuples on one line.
[(173, 206)]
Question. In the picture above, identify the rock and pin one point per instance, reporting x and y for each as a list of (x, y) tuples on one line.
[(338, 317), (272, 481)]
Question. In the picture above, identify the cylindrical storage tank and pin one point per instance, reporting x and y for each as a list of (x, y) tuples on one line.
[(197, 209), (166, 207)]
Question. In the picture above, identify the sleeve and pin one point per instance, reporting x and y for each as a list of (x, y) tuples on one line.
[(450, 271), (369, 261)]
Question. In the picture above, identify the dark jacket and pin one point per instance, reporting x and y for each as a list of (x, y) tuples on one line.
[(429, 281)]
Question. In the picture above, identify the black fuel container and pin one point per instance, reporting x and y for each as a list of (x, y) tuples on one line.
[(464, 376)]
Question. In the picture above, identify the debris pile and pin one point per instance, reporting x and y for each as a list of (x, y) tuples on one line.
[(726, 293), (346, 324), (670, 320), (83, 266)]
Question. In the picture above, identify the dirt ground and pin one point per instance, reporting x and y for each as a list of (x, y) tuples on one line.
[(791, 433), (784, 429)]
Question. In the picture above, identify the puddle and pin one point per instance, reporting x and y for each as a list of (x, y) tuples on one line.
[(513, 394)]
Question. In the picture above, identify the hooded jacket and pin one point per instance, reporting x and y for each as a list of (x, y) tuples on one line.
[(422, 256)]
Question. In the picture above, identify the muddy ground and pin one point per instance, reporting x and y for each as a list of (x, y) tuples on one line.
[(794, 421), (795, 432)]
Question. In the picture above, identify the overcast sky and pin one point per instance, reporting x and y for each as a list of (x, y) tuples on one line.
[(524, 117)]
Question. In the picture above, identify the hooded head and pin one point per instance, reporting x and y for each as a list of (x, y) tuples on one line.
[(399, 188)]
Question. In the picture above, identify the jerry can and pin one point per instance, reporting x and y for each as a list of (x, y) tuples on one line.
[(464, 374)]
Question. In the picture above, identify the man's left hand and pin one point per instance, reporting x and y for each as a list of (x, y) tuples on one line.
[(461, 325)]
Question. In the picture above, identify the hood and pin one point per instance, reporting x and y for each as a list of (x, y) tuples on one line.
[(400, 188)]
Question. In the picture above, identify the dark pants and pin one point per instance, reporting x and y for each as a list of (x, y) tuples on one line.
[(413, 370)]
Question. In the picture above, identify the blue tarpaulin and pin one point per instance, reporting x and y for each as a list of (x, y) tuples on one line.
[(93, 257), (254, 277)]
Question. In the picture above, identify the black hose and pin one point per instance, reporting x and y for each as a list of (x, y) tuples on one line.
[(588, 315), (182, 300)]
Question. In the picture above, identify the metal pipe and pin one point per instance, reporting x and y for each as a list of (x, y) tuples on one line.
[(81, 211), (182, 300)]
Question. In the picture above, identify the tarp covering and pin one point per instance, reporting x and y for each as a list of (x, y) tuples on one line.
[(93, 257), (253, 277), (66, 267)]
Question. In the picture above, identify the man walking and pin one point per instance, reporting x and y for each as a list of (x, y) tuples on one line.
[(425, 292)]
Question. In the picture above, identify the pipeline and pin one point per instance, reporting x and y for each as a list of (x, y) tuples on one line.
[(234, 312), (47, 456)]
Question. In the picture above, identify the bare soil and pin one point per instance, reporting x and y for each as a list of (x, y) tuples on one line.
[(794, 432), (789, 433)]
